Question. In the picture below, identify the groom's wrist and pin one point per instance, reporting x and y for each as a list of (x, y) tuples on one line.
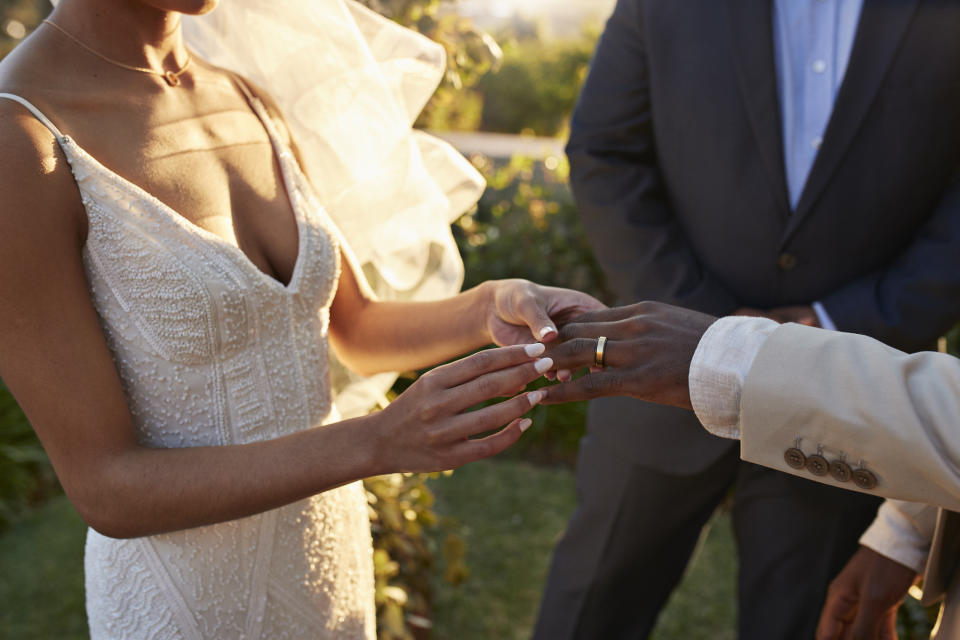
[(719, 368)]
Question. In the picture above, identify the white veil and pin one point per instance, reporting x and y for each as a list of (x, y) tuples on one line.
[(351, 83)]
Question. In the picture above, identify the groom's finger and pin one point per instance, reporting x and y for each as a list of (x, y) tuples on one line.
[(595, 385), (870, 621), (620, 329), (613, 314), (838, 613), (579, 353)]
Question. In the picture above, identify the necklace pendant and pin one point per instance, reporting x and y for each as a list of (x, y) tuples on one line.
[(172, 78)]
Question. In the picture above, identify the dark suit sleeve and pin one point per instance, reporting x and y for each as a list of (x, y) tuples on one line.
[(617, 185), (916, 298)]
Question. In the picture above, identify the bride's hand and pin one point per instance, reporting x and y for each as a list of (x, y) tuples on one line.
[(647, 354), (428, 427), (521, 311)]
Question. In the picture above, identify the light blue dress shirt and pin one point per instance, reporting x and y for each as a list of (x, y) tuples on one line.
[(812, 43)]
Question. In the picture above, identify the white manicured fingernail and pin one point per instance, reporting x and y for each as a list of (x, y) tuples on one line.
[(525, 424), (546, 331), (534, 349), (543, 364), (535, 397)]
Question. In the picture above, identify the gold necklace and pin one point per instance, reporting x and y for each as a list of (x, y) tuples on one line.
[(172, 77)]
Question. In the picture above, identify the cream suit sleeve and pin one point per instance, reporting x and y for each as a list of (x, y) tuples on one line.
[(725, 357), (849, 397)]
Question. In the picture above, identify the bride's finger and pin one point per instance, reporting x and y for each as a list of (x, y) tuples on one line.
[(535, 316), (471, 450), (497, 384), (486, 361), (489, 418)]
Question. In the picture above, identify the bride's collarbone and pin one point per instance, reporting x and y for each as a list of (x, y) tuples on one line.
[(218, 170)]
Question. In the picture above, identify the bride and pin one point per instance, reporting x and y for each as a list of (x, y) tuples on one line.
[(169, 286)]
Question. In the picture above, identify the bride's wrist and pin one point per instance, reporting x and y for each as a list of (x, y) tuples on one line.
[(376, 447), (485, 308)]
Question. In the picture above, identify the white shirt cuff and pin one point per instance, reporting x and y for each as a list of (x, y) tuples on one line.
[(719, 367), (902, 531), (826, 322)]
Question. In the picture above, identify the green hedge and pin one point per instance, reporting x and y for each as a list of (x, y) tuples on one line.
[(26, 477)]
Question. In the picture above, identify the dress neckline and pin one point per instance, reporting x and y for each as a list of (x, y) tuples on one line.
[(282, 155), (217, 241)]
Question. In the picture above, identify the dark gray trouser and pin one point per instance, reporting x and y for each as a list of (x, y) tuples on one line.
[(632, 534)]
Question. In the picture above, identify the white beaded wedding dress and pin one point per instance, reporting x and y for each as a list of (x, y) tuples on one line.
[(211, 351)]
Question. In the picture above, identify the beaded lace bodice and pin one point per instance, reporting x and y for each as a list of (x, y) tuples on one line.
[(211, 351)]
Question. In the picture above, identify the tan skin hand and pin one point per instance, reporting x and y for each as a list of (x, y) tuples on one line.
[(863, 599), (53, 354), (648, 353), (428, 428), (524, 312)]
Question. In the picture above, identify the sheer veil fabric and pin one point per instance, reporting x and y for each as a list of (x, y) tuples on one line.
[(350, 84)]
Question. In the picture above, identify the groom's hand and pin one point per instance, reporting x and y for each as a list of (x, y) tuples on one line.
[(647, 354), (863, 599)]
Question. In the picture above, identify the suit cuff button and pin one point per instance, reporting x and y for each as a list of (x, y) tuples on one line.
[(795, 458), (864, 479), (818, 465), (840, 471)]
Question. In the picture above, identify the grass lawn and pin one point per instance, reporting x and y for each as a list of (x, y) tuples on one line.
[(41, 575), (509, 539)]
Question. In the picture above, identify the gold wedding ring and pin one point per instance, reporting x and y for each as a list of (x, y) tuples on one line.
[(598, 357)]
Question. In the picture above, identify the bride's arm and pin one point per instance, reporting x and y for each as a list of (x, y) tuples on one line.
[(56, 362), (372, 336)]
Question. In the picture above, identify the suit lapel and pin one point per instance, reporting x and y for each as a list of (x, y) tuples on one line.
[(752, 30), (881, 28)]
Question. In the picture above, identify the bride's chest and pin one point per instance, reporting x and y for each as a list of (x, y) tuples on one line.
[(220, 173), (186, 290)]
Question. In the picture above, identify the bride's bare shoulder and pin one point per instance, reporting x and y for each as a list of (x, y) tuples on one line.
[(34, 172), (36, 184)]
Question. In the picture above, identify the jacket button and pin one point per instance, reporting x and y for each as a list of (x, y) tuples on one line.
[(787, 261), (840, 471), (818, 465), (864, 479), (795, 458)]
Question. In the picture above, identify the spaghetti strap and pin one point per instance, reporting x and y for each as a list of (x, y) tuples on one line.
[(36, 112)]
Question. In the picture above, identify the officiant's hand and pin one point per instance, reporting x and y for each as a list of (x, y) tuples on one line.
[(520, 311), (863, 599), (647, 354)]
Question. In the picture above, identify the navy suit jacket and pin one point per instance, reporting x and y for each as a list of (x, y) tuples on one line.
[(677, 168)]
